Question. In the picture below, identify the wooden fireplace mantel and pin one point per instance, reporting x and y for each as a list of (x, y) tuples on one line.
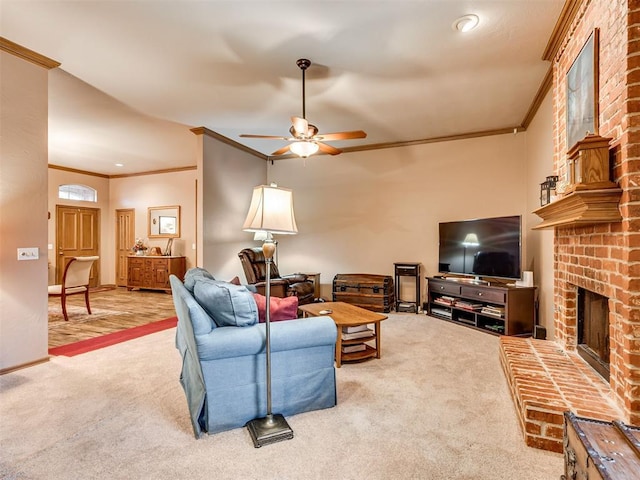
[(582, 207), (591, 197)]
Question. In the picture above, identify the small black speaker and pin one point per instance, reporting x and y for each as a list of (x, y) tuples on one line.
[(539, 332)]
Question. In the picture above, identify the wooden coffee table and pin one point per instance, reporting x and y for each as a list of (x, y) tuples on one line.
[(347, 315)]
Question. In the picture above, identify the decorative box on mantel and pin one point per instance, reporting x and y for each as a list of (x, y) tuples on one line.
[(590, 197), (588, 164)]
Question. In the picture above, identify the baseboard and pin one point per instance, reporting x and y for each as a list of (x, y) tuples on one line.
[(23, 365)]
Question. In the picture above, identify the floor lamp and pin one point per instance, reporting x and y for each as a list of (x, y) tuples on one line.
[(261, 236), (271, 211)]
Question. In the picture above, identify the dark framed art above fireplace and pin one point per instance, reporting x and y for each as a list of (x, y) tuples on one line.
[(582, 92)]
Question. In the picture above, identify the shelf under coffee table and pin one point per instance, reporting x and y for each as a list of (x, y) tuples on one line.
[(347, 315)]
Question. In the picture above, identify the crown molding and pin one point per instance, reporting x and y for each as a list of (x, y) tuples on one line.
[(545, 86), (228, 141), (154, 172), (409, 143), (76, 170), (123, 175), (569, 12), (26, 54)]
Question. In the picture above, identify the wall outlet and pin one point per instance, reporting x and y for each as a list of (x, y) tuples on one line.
[(28, 253)]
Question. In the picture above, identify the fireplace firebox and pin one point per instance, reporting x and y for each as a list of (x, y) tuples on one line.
[(593, 330)]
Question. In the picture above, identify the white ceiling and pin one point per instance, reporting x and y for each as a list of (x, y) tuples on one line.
[(136, 71)]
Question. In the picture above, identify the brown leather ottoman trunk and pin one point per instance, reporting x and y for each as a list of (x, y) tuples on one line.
[(598, 450), (373, 292)]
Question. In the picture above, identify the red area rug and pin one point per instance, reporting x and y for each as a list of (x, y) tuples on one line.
[(90, 344)]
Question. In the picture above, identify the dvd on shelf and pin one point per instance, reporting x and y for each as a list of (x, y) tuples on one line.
[(355, 328), (469, 305), (353, 335), (442, 312), (358, 347), (445, 300), (493, 311)]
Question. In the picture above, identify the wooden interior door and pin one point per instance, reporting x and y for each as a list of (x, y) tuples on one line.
[(125, 227), (77, 235)]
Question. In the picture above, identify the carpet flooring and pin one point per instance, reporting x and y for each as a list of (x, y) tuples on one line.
[(435, 406), (113, 310)]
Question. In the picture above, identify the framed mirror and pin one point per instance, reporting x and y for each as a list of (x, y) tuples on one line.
[(164, 222)]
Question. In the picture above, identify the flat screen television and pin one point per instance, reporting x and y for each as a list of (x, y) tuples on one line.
[(486, 247)]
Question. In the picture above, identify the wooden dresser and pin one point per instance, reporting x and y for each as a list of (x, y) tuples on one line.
[(153, 272)]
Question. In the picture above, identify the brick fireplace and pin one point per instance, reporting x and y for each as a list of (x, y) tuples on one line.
[(603, 256), (597, 259), (547, 378)]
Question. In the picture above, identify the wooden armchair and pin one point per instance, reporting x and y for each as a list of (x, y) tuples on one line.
[(75, 281)]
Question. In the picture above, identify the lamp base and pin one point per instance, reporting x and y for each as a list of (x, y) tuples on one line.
[(270, 429)]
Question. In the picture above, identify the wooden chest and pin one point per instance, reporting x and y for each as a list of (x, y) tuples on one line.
[(373, 292), (595, 450)]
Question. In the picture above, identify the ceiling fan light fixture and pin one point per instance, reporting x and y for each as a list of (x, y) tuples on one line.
[(466, 23), (304, 148), (304, 136)]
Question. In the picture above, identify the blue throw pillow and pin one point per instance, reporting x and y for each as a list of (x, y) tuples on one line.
[(227, 304), (193, 274)]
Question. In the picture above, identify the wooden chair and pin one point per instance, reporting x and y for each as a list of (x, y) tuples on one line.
[(74, 282)]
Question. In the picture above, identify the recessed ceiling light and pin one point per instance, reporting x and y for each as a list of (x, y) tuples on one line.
[(466, 23), (119, 164)]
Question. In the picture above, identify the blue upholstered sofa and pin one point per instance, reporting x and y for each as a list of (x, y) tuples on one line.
[(223, 356)]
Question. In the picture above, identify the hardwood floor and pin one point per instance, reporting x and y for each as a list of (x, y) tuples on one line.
[(112, 310)]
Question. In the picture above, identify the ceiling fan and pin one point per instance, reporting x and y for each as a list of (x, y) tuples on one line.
[(304, 138)]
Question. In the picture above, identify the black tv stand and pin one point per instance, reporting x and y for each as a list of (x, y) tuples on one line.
[(497, 309)]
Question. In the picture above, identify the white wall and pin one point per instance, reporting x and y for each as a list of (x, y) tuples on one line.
[(539, 152), (228, 178), (23, 211), (361, 212), (157, 190)]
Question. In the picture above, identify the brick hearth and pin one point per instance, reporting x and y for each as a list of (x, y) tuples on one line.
[(546, 381)]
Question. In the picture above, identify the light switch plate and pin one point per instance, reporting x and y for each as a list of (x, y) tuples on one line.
[(28, 253)]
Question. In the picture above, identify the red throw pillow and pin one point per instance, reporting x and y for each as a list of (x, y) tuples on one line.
[(281, 308), (235, 281)]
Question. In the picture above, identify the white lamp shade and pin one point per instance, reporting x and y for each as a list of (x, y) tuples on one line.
[(471, 240), (271, 210), (303, 148)]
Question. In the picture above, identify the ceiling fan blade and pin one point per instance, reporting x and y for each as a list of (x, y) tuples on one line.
[(300, 125), (342, 135), (273, 137), (281, 151), (328, 149)]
